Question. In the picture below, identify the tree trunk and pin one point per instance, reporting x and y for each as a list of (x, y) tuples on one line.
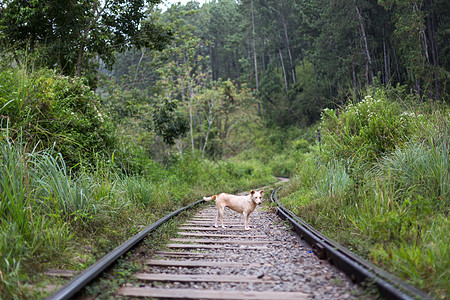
[(80, 59), (210, 120), (355, 90), (191, 117), (254, 46), (211, 59), (315, 75), (286, 37), (284, 71), (289, 53), (387, 71), (369, 74), (138, 65), (397, 67), (84, 39), (238, 69), (431, 25), (179, 144), (263, 58)]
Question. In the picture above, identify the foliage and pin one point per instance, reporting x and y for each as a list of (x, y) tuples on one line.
[(308, 55), (70, 36), (50, 218), (55, 111), (371, 124), (278, 148), (379, 181), (168, 123), (300, 106)]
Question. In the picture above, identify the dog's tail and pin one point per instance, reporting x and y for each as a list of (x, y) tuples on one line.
[(210, 198)]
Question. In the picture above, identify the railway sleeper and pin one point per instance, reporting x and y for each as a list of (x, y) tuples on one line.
[(235, 264)]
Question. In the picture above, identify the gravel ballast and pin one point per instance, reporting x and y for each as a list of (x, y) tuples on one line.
[(283, 263)]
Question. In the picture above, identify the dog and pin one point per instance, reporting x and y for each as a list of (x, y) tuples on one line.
[(244, 205)]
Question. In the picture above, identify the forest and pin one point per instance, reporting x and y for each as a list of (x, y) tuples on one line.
[(114, 113)]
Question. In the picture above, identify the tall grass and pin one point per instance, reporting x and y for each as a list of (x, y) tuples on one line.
[(396, 158), (419, 169), (334, 180), (24, 231), (14, 185), (58, 192), (153, 196)]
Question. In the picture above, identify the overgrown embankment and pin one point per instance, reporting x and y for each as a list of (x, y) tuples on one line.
[(379, 183), (66, 197)]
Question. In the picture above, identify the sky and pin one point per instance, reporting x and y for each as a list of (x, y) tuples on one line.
[(185, 1), (170, 2)]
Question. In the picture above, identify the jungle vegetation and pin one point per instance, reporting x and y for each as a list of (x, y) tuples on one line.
[(114, 113)]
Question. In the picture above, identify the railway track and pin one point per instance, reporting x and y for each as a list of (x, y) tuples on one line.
[(270, 261), (267, 262)]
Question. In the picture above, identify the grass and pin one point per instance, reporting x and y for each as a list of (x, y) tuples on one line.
[(52, 218), (386, 200), (26, 233), (121, 272)]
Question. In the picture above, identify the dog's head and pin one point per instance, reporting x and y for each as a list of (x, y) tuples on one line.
[(256, 196)]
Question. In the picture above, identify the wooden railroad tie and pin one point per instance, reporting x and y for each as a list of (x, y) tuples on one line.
[(241, 228), (202, 264), (217, 241), (221, 235), (217, 246), (176, 293), (200, 278)]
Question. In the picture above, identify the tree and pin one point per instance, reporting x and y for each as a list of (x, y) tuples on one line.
[(71, 34), (417, 25)]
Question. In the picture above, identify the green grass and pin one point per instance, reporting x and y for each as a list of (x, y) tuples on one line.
[(53, 218), (386, 199)]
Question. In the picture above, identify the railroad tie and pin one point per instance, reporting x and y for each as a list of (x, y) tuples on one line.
[(205, 262), (177, 293), (209, 294)]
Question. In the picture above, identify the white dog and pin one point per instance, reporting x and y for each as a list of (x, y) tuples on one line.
[(244, 205)]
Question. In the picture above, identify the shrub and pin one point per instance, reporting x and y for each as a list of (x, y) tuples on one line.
[(54, 111), (398, 161), (364, 131)]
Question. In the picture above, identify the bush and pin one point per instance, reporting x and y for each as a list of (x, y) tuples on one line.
[(379, 184), (54, 111), (366, 130)]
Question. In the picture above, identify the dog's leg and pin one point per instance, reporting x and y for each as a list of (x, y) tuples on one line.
[(246, 215), (220, 210), (217, 216), (221, 216)]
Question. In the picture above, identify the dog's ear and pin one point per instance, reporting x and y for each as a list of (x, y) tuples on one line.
[(261, 191), (252, 192)]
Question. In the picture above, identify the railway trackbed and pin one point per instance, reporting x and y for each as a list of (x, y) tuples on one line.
[(270, 261), (267, 262)]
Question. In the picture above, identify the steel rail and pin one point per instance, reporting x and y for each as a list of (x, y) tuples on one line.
[(82, 279), (358, 269)]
